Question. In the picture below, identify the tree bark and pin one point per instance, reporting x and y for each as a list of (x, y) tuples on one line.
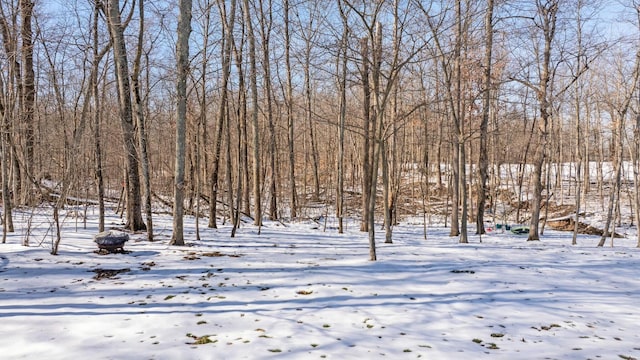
[(140, 122), (266, 24), (28, 100), (483, 158), (182, 57), (366, 125), (134, 199), (290, 123), (96, 124), (548, 13), (253, 79), (341, 70), (7, 218), (228, 25)]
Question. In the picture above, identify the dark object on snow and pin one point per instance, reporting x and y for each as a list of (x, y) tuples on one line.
[(520, 230), (111, 241), (506, 226)]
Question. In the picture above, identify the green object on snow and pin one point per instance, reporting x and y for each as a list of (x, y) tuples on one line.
[(520, 229)]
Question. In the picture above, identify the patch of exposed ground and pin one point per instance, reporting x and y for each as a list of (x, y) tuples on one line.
[(568, 224)]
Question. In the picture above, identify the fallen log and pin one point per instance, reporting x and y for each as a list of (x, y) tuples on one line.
[(568, 224)]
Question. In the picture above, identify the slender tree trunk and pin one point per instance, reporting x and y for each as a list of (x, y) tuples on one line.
[(265, 30), (309, 115), (341, 69), (636, 172), (548, 13), (377, 135), (242, 190), (617, 167), (366, 149), (385, 190), (636, 133), (134, 200), (96, 124), (290, 123), (12, 98), (228, 24), (229, 172), (142, 133), (7, 218), (578, 115), (28, 100), (182, 54), (253, 79), (618, 154), (242, 119), (459, 112), (241, 159), (483, 159), (202, 119)]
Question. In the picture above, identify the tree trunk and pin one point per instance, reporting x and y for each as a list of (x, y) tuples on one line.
[(341, 69), (309, 115), (290, 125), (7, 218), (96, 124), (28, 100), (242, 189), (459, 115), (548, 12), (141, 126), (228, 25), (182, 55), (243, 139), (483, 158), (578, 116), (134, 199), (615, 190), (202, 119), (253, 79), (366, 148), (265, 30)]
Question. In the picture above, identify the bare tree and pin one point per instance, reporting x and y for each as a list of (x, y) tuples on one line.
[(290, 114), (309, 33), (341, 71), (483, 156), (547, 90), (116, 27), (7, 218), (140, 122), (451, 63), (97, 111), (266, 24), (636, 135), (27, 98), (228, 25), (619, 97), (384, 73), (545, 20), (182, 65), (10, 85), (253, 80)]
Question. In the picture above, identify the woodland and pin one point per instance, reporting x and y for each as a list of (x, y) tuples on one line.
[(470, 111)]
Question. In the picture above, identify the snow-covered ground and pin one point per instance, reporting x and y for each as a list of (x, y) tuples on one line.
[(296, 292)]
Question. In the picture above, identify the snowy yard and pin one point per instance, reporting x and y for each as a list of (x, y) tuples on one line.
[(297, 292)]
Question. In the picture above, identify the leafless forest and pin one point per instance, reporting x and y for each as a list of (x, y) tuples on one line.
[(286, 109)]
